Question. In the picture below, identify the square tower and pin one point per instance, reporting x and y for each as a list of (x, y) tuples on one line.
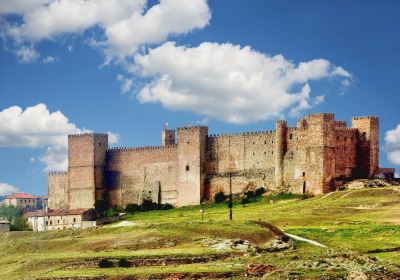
[(167, 137), (191, 164), (86, 160), (368, 145)]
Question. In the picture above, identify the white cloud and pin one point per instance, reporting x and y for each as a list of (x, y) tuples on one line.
[(27, 54), (113, 138), (228, 82), (168, 17), (37, 127), (50, 59), (126, 83), (125, 24), (392, 145), (20, 6), (6, 189)]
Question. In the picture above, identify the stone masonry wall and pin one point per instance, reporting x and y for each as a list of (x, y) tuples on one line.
[(191, 164), (248, 156), (58, 190), (86, 154), (132, 172)]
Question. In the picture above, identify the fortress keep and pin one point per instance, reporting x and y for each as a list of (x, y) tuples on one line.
[(302, 159)]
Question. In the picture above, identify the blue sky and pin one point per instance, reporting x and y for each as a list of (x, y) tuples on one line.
[(126, 67)]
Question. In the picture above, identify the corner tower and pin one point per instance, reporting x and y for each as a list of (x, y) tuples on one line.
[(191, 164), (86, 160), (368, 145)]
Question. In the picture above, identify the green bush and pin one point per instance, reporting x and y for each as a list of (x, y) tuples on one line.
[(249, 194), (123, 263), (220, 197), (19, 224), (149, 205), (244, 200), (283, 196), (260, 191), (15, 216), (101, 207), (131, 208), (104, 263), (112, 212), (166, 206)]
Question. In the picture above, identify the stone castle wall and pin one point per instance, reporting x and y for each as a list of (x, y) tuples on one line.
[(86, 161), (58, 190), (131, 174), (191, 166), (248, 156)]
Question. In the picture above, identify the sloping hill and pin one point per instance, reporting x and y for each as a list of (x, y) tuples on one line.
[(361, 229)]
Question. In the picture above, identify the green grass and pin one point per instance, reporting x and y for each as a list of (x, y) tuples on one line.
[(348, 221)]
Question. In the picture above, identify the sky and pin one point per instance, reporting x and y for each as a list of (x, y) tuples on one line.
[(128, 67)]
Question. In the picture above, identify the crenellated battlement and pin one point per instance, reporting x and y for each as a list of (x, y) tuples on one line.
[(319, 115), (146, 148), (192, 127), (239, 134), (58, 173), (86, 134), (338, 124), (366, 118), (294, 129)]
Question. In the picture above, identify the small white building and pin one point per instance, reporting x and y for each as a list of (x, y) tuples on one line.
[(21, 200), (60, 219)]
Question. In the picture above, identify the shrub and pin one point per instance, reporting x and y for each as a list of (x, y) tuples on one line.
[(148, 205), (123, 263), (101, 206), (219, 197), (131, 208), (307, 195), (19, 224), (244, 200), (260, 191), (112, 212), (104, 263), (249, 195), (166, 206)]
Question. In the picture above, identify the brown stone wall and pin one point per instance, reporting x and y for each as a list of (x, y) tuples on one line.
[(191, 164), (248, 156), (345, 151), (86, 160), (368, 145), (58, 190), (132, 173)]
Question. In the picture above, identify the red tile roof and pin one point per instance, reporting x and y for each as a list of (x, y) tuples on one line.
[(79, 211), (20, 195)]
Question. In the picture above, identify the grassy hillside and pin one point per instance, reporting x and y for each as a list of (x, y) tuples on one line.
[(361, 229)]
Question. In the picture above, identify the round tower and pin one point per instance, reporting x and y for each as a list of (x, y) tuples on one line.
[(280, 150)]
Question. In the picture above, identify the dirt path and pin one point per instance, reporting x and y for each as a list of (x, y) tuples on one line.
[(313, 242), (346, 194)]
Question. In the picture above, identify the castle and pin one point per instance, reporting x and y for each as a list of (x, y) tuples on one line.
[(306, 158)]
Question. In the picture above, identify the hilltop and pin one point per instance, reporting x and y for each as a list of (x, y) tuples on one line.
[(360, 229)]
